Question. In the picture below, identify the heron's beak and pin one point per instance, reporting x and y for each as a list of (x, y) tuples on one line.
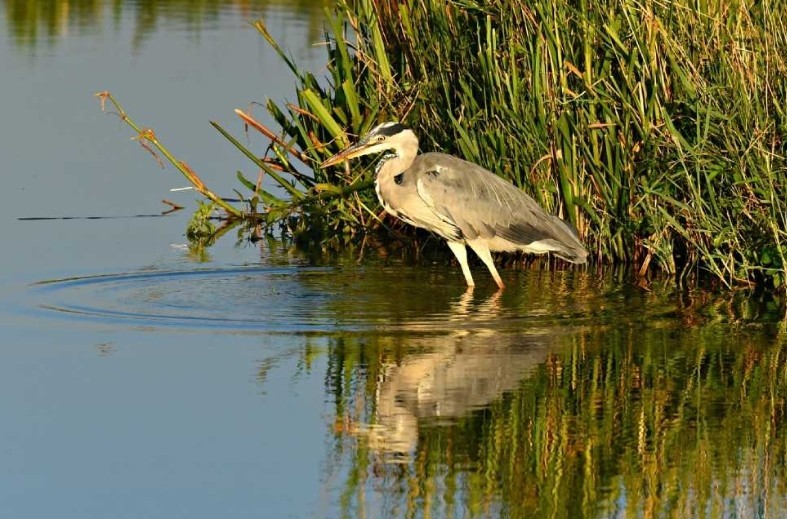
[(356, 150)]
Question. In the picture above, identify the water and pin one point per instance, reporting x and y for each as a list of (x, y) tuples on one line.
[(141, 377)]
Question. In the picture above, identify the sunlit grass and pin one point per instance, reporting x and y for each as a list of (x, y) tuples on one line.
[(657, 129)]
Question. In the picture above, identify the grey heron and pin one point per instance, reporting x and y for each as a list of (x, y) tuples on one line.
[(460, 201)]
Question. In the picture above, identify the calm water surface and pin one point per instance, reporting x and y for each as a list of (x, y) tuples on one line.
[(141, 377)]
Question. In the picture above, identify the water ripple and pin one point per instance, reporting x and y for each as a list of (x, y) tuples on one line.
[(325, 300), (241, 298)]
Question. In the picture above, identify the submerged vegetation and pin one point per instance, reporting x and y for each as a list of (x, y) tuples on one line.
[(658, 129)]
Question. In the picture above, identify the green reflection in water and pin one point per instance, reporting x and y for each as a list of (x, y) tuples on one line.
[(33, 22), (565, 396)]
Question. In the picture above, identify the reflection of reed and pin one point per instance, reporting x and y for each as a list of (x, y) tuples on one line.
[(630, 414), (31, 22)]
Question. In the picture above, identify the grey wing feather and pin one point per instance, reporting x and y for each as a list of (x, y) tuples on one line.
[(481, 204)]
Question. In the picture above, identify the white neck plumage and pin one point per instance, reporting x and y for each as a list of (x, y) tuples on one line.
[(400, 158)]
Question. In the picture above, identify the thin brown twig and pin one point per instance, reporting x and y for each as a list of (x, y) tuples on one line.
[(272, 136), (147, 136)]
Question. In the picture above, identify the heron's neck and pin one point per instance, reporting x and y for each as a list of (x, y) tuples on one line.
[(390, 164), (398, 160)]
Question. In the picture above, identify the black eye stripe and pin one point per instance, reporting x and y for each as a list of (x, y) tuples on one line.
[(391, 130)]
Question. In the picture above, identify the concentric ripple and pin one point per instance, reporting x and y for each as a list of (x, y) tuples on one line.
[(243, 298), (295, 299)]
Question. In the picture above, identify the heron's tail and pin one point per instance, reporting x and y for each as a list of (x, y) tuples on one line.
[(571, 249), (578, 256)]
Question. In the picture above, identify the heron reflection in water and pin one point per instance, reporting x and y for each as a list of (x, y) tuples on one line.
[(456, 365), (460, 201)]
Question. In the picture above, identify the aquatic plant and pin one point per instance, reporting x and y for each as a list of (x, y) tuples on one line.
[(657, 129)]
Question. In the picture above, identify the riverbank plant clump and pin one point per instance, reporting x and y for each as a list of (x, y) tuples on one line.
[(657, 129)]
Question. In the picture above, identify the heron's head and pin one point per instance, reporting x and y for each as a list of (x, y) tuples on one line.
[(385, 136)]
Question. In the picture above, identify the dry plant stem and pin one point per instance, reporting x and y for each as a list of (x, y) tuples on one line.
[(173, 205), (297, 195), (146, 135), (273, 137)]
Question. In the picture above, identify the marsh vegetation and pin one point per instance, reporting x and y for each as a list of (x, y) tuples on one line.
[(658, 130)]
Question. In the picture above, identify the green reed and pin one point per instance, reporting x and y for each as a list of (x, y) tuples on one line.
[(657, 129)]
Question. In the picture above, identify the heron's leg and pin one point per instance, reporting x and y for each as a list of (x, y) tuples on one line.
[(482, 250), (460, 252)]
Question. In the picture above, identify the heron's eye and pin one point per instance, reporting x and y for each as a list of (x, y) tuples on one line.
[(380, 138)]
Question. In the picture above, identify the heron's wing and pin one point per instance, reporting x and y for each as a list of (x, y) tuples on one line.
[(480, 203)]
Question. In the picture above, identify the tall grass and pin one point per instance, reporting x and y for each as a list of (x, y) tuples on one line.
[(657, 128)]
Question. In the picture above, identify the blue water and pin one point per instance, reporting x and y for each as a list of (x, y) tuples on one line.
[(115, 404), (141, 376)]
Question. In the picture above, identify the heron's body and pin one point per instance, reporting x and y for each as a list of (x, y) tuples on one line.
[(460, 201)]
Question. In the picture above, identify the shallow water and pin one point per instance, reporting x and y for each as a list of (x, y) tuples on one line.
[(141, 377)]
